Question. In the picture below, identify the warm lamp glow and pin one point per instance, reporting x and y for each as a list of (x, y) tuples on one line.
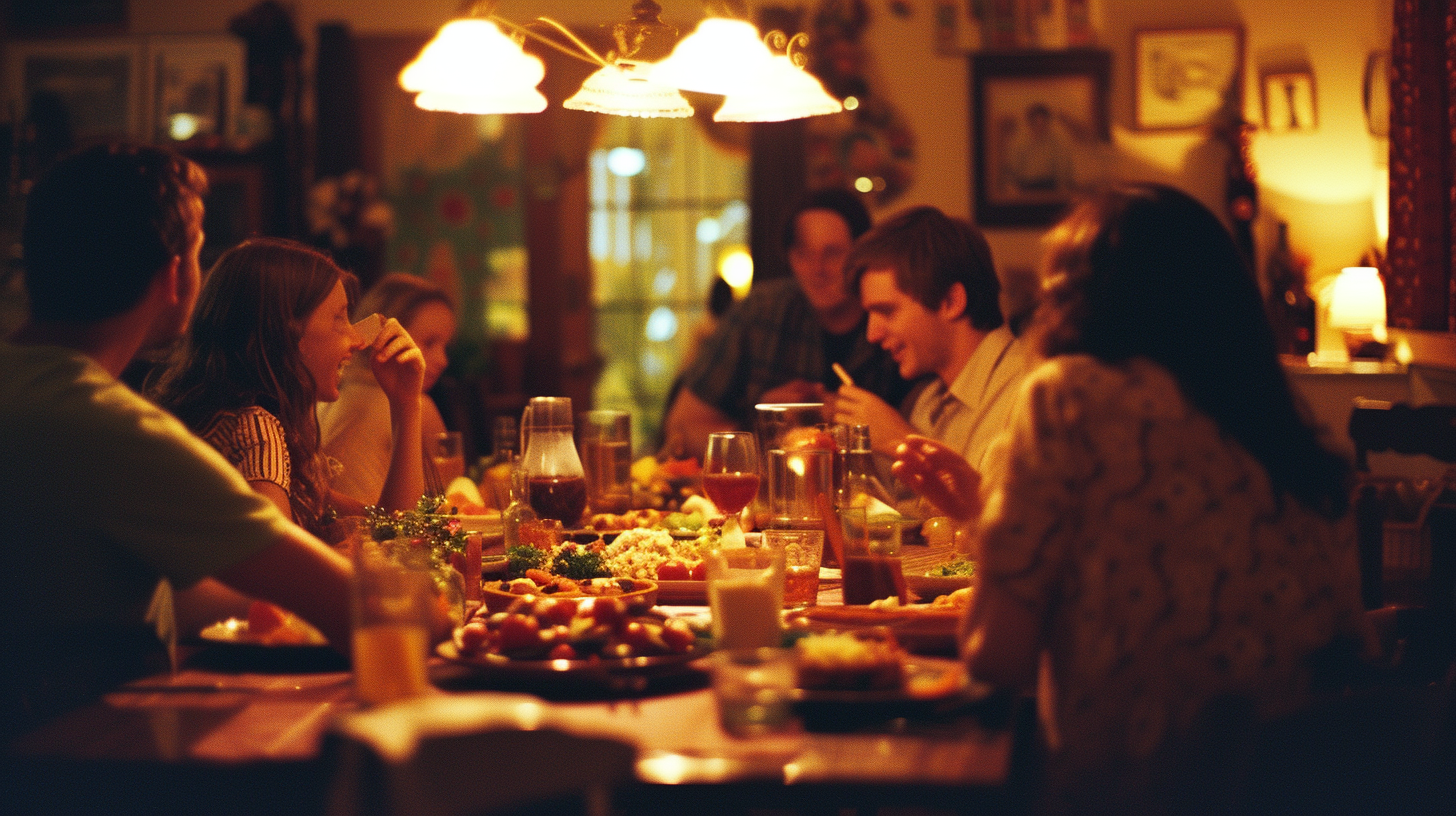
[(784, 91), (623, 88), (471, 67), (1357, 299), (720, 57)]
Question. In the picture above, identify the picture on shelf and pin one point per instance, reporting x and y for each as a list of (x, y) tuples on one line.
[(197, 87)]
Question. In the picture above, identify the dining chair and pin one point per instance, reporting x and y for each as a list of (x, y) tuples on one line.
[(468, 755)]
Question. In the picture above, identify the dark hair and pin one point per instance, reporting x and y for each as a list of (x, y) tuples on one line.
[(102, 223), (241, 350), (1144, 270), (399, 295), (846, 204), (930, 252)]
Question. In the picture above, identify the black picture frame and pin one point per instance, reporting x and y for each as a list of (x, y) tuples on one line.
[(1039, 121)]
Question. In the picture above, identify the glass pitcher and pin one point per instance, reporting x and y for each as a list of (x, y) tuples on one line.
[(555, 481)]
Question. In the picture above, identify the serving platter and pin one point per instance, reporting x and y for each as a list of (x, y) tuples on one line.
[(612, 674), (234, 632)]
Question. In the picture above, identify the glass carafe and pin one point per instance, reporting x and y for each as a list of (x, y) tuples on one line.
[(555, 481)]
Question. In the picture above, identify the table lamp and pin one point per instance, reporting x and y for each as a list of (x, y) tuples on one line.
[(1357, 311)]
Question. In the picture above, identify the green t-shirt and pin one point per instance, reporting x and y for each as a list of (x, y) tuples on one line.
[(102, 494)]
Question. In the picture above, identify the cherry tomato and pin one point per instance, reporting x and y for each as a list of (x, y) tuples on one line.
[(608, 610), (699, 571), (562, 651), (519, 633), (551, 612), (673, 571), (473, 636), (678, 636)]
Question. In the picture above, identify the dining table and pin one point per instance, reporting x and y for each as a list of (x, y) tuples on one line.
[(253, 730)]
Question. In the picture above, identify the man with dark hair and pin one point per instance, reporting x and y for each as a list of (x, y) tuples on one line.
[(781, 342), (108, 502), (931, 291)]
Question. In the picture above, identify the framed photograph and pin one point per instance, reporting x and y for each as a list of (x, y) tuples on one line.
[(1040, 128), (1288, 101), (1182, 77), (197, 87), (93, 88)]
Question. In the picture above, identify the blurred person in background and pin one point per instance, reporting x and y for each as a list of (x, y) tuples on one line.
[(779, 344), (1161, 534), (355, 429), (111, 242), (269, 339)]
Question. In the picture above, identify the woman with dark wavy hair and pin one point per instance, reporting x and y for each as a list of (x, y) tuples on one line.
[(1159, 530), (269, 339)]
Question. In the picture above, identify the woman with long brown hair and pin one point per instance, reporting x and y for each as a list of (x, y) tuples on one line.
[(268, 340), (1159, 532)]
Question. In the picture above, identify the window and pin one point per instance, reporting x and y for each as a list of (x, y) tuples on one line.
[(669, 213)]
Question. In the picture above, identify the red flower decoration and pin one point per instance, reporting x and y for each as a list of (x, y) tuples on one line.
[(454, 208)]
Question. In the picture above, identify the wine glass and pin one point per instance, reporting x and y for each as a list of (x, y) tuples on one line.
[(730, 476)]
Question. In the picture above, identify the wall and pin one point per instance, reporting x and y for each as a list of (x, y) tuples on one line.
[(1321, 182)]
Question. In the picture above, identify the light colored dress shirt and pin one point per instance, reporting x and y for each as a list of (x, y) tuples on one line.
[(976, 408)]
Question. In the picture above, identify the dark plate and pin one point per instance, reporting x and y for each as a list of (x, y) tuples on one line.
[(230, 648), (933, 687)]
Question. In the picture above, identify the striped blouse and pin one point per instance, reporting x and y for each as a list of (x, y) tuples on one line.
[(252, 440)]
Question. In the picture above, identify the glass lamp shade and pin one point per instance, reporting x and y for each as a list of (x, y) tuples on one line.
[(1357, 299), (720, 57), (624, 89), (471, 67), (784, 91)]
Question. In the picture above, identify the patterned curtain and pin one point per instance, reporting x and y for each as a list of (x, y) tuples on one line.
[(1422, 247)]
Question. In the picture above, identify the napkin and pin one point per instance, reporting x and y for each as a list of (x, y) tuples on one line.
[(162, 613)]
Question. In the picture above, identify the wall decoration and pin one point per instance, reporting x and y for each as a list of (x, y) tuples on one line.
[(197, 87), (869, 146), (1184, 76), (1289, 101), (1377, 93), (1040, 126), (77, 91)]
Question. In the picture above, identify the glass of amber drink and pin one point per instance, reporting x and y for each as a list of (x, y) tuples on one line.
[(393, 594), (803, 553)]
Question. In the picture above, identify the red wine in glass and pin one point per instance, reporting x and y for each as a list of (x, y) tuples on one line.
[(731, 492), (558, 497)]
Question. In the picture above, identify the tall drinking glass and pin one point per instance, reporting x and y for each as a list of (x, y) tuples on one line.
[(730, 477)]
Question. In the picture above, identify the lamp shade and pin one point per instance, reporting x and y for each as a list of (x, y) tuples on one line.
[(1357, 299), (784, 91), (472, 67), (721, 56), (625, 89)]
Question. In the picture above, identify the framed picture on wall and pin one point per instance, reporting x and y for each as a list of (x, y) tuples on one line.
[(197, 87), (1182, 77), (90, 89), (1039, 129)]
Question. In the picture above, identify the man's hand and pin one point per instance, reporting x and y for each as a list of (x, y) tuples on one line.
[(856, 406), (941, 475)]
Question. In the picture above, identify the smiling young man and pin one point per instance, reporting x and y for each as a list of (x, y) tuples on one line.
[(930, 289)]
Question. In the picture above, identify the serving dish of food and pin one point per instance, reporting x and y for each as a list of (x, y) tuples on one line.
[(595, 641), (636, 594), (267, 625)]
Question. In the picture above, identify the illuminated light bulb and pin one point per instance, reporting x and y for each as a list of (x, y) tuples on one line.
[(471, 67), (782, 92), (719, 57), (625, 88)]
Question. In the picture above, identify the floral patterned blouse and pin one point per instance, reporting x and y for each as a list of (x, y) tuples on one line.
[(1166, 570)]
